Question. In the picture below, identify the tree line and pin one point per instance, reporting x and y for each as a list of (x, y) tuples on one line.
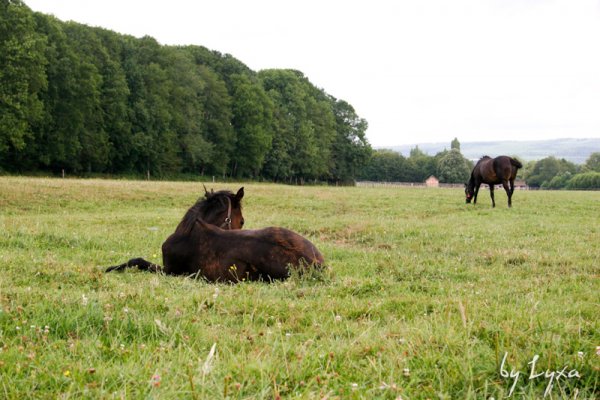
[(554, 173), (89, 100), (449, 166)]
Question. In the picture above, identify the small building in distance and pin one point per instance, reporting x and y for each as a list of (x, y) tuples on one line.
[(521, 184), (432, 181)]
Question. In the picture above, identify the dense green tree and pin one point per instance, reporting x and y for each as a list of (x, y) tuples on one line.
[(304, 127), (22, 79), (114, 99), (154, 142), (385, 166), (592, 163), (216, 120), (186, 92), (90, 100), (351, 150), (547, 168), (252, 121), (559, 181), (86, 107), (420, 165), (453, 167), (586, 180), (455, 144)]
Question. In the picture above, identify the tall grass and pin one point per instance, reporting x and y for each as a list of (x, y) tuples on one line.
[(423, 296)]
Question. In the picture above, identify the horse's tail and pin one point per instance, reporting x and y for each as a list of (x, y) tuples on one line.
[(136, 262), (516, 162)]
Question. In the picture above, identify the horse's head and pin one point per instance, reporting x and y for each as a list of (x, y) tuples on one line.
[(469, 192), (223, 209)]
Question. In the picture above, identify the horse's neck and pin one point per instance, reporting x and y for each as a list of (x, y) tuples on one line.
[(189, 218), (471, 182)]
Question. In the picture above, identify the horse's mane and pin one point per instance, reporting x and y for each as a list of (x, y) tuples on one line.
[(203, 208), (484, 158)]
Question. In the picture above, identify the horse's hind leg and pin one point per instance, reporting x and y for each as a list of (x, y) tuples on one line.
[(492, 195), (136, 262), (509, 191)]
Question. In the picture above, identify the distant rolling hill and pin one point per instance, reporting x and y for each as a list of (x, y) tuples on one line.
[(574, 150)]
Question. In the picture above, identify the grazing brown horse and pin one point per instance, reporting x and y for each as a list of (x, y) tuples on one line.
[(199, 248), (222, 208), (493, 171)]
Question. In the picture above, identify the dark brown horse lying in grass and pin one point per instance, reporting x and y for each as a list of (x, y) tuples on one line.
[(200, 248), (222, 208), (493, 171)]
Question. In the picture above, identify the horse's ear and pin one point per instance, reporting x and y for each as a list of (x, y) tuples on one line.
[(206, 194), (240, 194)]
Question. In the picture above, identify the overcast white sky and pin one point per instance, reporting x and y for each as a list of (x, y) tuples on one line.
[(418, 71)]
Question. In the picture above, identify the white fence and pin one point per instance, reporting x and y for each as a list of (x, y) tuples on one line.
[(423, 185), (406, 184)]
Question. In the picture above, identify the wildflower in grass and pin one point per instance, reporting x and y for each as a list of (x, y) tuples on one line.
[(354, 386), (580, 355), (208, 363), (155, 381), (385, 386), (598, 350), (338, 318), (84, 300), (125, 310), (163, 328), (67, 373), (406, 372)]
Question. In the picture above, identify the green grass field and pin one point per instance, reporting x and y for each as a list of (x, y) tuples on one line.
[(423, 298)]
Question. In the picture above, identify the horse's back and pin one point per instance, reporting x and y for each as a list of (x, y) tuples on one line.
[(293, 243)]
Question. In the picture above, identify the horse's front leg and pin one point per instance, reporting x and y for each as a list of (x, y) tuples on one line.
[(492, 194), (509, 192), (475, 195)]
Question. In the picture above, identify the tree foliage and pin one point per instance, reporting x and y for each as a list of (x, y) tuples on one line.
[(453, 167), (455, 144), (592, 163), (586, 180), (546, 169), (447, 166), (89, 100), (22, 79)]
